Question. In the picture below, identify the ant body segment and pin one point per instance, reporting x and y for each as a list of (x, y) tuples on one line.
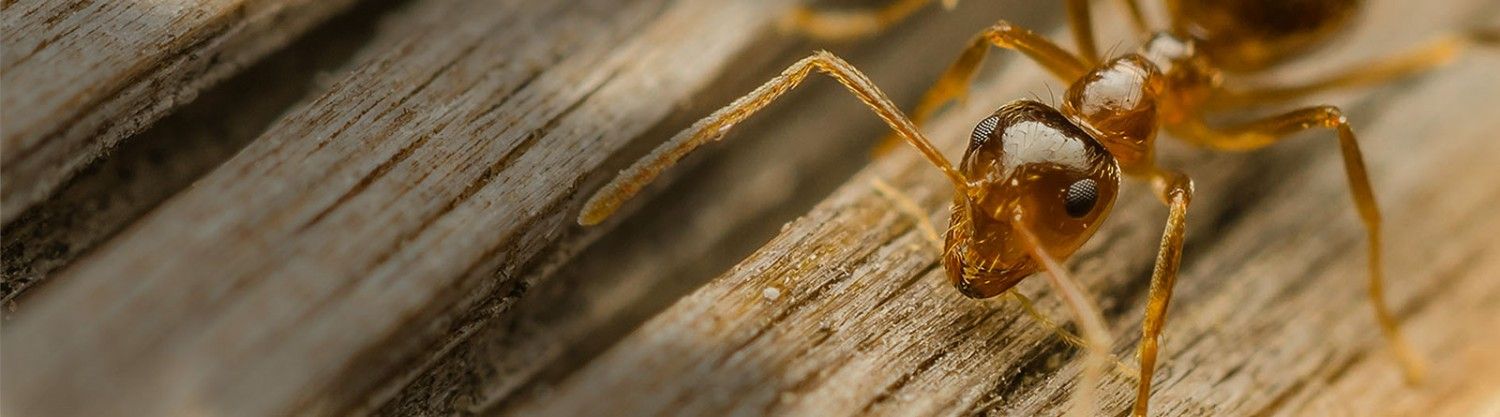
[(1035, 181)]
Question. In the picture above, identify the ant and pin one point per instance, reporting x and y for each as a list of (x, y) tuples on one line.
[(1036, 181), (844, 25)]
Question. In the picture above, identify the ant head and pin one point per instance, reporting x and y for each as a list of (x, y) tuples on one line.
[(1027, 166)]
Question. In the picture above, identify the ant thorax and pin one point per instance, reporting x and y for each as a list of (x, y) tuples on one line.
[(1191, 78), (1117, 104)]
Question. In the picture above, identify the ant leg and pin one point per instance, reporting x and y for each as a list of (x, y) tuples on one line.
[(829, 25), (713, 127), (1176, 191), (1175, 21), (910, 208), (1376, 72), (954, 83), (1082, 23), (1067, 336), (1137, 17), (1089, 320), (1257, 134)]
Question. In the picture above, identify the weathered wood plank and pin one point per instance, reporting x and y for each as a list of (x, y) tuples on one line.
[(167, 157), (302, 272), (81, 75), (724, 207), (1270, 308)]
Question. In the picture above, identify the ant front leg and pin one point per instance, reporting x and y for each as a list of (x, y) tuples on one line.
[(955, 81), (1176, 191), (828, 25), (1258, 134), (631, 180), (1376, 72), (1090, 322)]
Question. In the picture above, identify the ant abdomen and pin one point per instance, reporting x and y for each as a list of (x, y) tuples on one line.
[(1249, 35)]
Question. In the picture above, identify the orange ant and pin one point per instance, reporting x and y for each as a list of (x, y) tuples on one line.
[(1036, 182)]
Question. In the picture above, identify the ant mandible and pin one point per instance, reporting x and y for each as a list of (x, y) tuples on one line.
[(1035, 181)]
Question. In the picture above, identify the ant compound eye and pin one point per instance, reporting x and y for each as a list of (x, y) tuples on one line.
[(983, 131), (1080, 197)]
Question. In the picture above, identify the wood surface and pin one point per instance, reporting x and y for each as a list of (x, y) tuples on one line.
[(81, 75), (403, 243), (350, 236), (162, 160), (724, 202), (847, 313)]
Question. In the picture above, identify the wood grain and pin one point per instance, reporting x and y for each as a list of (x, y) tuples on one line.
[(298, 276), (1270, 316), (105, 197), (403, 244), (81, 75), (727, 200)]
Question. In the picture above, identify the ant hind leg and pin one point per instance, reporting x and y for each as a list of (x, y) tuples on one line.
[(1265, 132), (1379, 71)]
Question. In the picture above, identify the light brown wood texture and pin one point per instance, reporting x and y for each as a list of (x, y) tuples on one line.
[(347, 239), (847, 313), (728, 200), (81, 75), (151, 166), (402, 243)]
